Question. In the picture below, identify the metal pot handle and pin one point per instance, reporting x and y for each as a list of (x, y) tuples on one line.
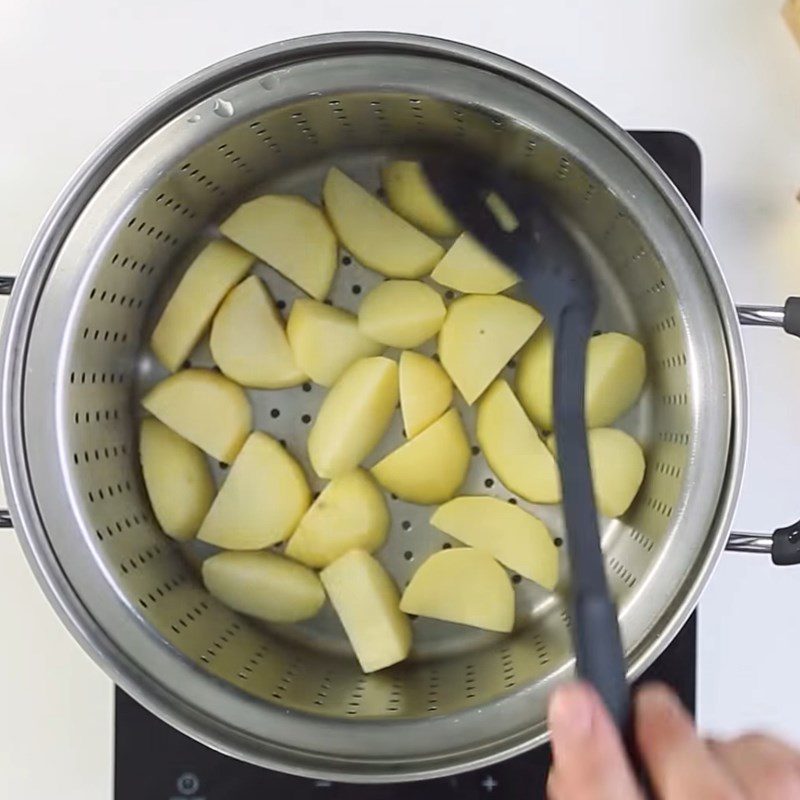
[(784, 543), (6, 285)]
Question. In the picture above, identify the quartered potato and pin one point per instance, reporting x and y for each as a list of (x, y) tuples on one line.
[(261, 501), (513, 448), (468, 267), (177, 478), (367, 602), (426, 391), (326, 340), (264, 585), (210, 276), (615, 375), (401, 313), (517, 539), (410, 195), (431, 467), (462, 585), (480, 335), (374, 234), (248, 341), (350, 513), (353, 416), (204, 407), (290, 234)]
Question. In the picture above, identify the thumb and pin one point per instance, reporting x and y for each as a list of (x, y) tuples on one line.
[(589, 761)]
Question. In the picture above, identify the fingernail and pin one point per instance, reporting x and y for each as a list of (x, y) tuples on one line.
[(658, 698), (571, 713)]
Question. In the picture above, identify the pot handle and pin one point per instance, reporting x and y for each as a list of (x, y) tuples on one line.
[(784, 543), (6, 285)]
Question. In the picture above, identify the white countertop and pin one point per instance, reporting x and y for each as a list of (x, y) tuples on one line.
[(726, 73)]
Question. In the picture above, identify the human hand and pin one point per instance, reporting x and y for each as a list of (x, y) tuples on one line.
[(589, 761)]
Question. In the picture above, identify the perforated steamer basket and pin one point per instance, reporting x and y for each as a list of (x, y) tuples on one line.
[(75, 362)]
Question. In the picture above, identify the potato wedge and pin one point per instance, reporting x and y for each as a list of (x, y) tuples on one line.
[(618, 466), (480, 335), (513, 447), (264, 585), (462, 585), (326, 340), (177, 479), (431, 467), (350, 513), (517, 539), (615, 374), (204, 407), (401, 313), (261, 501), (292, 235), (353, 416), (410, 195), (426, 391), (367, 601), (468, 267), (248, 341), (373, 233), (203, 286)]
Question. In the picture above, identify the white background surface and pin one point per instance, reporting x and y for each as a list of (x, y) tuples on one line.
[(725, 72)]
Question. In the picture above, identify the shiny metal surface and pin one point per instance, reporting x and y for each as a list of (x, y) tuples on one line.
[(770, 316), (750, 543), (74, 363)]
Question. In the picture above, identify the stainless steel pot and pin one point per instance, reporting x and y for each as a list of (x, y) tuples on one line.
[(74, 361)]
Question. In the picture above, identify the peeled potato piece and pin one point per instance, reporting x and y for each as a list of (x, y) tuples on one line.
[(367, 602), (426, 391), (480, 335), (401, 313), (353, 416), (615, 374), (264, 585), (513, 448), (431, 467), (204, 407), (177, 478), (261, 501), (462, 585), (248, 342), (410, 195), (373, 233), (468, 267), (517, 539), (210, 276), (618, 466), (350, 513), (326, 340), (290, 234)]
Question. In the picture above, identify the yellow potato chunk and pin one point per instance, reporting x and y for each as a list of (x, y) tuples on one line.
[(615, 374), (177, 478), (350, 513), (367, 602), (264, 585), (353, 416), (374, 234), (326, 340), (426, 391), (480, 335), (262, 500), (462, 585), (517, 539), (290, 234), (248, 341), (209, 278), (411, 196), (401, 313), (204, 407), (513, 448), (468, 267), (431, 467)]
